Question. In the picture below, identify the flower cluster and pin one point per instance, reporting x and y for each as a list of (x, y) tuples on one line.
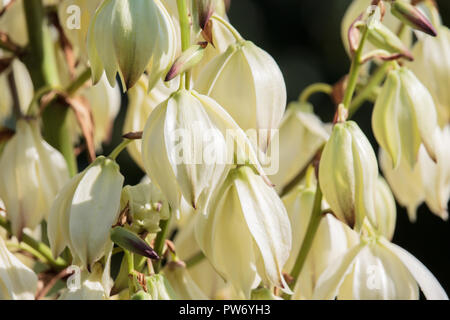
[(245, 196)]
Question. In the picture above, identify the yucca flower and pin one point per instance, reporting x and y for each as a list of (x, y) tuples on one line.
[(17, 281), (84, 211), (348, 174), (248, 83), (246, 234), (404, 117), (129, 38)]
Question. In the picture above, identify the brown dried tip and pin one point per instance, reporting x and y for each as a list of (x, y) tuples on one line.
[(133, 135), (411, 16), (205, 11), (207, 33)]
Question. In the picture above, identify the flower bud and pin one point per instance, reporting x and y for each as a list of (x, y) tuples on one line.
[(17, 281), (140, 105), (404, 117), (159, 288), (411, 16), (184, 147), (182, 283), (147, 206), (406, 183), (436, 175), (31, 175), (248, 83), (376, 269), (131, 242), (432, 67), (383, 38), (348, 175), (130, 37), (356, 8), (84, 211), (246, 206), (301, 134), (385, 209), (186, 61)]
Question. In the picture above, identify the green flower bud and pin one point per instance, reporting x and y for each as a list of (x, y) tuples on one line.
[(404, 117), (246, 206), (84, 211), (31, 174), (17, 281), (131, 242), (348, 175), (188, 59), (411, 16), (130, 37)]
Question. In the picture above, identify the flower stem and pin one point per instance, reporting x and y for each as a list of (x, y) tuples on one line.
[(195, 259), (354, 70), (315, 88), (43, 250), (375, 80), (115, 153), (160, 242), (313, 225), (79, 82), (229, 27), (185, 27)]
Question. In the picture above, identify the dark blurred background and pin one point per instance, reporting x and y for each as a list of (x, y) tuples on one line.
[(304, 38)]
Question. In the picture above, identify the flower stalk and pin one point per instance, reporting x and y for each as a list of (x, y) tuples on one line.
[(185, 26)]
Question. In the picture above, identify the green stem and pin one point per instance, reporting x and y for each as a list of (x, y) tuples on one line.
[(41, 62), (160, 242), (185, 27), (43, 250), (313, 225), (79, 82), (115, 153), (195, 259), (229, 27), (375, 80), (315, 88), (354, 70)]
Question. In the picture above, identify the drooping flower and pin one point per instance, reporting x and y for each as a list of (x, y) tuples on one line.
[(404, 117), (246, 234), (129, 38), (406, 183), (84, 211), (376, 269), (248, 83), (431, 65), (17, 281), (348, 175), (436, 175), (184, 147), (31, 174)]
